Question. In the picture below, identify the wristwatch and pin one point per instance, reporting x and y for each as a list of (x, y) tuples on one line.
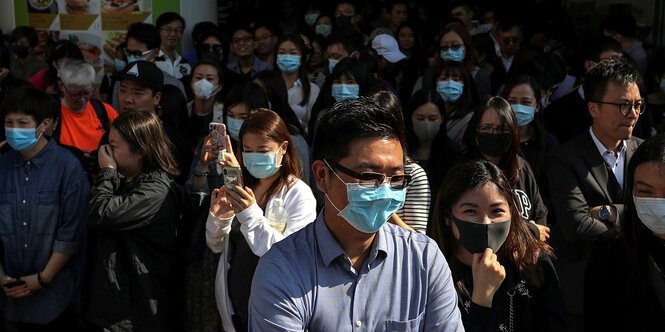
[(605, 213), (41, 281)]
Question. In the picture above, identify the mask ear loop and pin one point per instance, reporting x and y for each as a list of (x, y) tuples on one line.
[(340, 179)]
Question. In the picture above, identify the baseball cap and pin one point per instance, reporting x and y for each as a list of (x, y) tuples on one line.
[(386, 46), (143, 72)]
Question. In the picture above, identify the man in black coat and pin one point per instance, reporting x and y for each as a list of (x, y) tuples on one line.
[(587, 175)]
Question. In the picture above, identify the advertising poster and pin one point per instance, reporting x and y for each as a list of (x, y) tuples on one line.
[(98, 27)]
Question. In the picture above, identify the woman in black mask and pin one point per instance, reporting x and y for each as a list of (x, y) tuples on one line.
[(504, 277), (493, 134)]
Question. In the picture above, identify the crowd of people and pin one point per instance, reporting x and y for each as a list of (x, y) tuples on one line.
[(471, 170)]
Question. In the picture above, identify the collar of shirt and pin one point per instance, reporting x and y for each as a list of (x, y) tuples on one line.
[(330, 249), (634, 48), (602, 149), (37, 160), (580, 90), (507, 62), (175, 61)]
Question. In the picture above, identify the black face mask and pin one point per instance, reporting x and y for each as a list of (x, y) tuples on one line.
[(493, 145), (344, 23), (476, 237), (21, 51)]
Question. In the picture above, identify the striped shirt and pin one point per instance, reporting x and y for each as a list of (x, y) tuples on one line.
[(415, 211)]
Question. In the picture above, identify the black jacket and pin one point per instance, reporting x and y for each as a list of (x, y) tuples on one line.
[(527, 198), (133, 282), (534, 308)]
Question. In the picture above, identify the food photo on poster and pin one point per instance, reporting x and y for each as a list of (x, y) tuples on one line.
[(42, 6), (78, 6)]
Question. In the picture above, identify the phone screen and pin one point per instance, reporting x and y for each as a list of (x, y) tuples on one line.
[(232, 176)]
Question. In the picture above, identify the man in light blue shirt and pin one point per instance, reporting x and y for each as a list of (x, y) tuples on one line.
[(350, 270)]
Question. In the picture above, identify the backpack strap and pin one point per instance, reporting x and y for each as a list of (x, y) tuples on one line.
[(100, 110)]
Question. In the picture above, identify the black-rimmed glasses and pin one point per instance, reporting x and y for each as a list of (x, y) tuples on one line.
[(372, 179), (627, 107)]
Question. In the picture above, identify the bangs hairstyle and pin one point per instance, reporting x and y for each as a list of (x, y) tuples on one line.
[(633, 231), (509, 163), (268, 124), (29, 101), (143, 131), (521, 248), (469, 99), (469, 51), (302, 70)]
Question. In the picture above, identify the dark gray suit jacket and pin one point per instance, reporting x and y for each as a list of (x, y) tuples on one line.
[(579, 180)]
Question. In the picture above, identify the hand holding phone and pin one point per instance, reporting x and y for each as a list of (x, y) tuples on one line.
[(232, 176)]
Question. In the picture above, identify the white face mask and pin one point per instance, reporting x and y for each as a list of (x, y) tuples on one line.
[(651, 212), (203, 89)]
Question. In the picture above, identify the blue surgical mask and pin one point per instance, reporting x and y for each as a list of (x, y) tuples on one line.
[(452, 55), (345, 91), (288, 63), (310, 19), (323, 29), (119, 65), (233, 127), (523, 113), (369, 208), (260, 165), (450, 91), (133, 58), (331, 64), (662, 84), (21, 139)]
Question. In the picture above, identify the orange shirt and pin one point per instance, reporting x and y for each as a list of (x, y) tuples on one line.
[(83, 130)]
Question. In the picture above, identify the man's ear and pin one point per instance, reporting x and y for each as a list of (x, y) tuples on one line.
[(594, 110), (320, 172), (588, 64), (156, 98)]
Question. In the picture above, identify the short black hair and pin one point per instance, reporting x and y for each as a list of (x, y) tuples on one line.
[(620, 23), (145, 33), (29, 101), (248, 93), (200, 28), (274, 28), (169, 17), (351, 119), (65, 48), (24, 31), (508, 23), (351, 43), (619, 71)]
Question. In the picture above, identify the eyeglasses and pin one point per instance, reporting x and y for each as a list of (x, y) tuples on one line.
[(212, 47), (81, 94), (452, 47), (139, 54), (373, 180), (177, 31), (627, 107), (242, 40), (486, 129)]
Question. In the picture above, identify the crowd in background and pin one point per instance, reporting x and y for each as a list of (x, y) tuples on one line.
[(532, 159)]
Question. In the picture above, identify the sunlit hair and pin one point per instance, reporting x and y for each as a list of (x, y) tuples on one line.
[(268, 124), (144, 133), (521, 248), (469, 50)]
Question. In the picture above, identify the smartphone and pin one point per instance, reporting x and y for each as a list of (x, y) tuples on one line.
[(217, 135), (232, 176), (14, 283)]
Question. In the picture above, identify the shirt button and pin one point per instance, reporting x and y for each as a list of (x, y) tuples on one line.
[(25, 245), (26, 179), (25, 224), (359, 323), (23, 201)]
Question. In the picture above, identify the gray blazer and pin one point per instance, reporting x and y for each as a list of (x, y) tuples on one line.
[(580, 180)]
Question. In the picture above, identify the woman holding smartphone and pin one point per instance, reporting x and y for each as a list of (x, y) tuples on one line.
[(504, 276), (241, 214), (132, 218)]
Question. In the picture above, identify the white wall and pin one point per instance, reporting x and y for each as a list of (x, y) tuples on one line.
[(194, 11), (7, 23)]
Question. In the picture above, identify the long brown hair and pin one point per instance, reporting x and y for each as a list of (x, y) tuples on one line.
[(302, 70), (521, 248), (268, 124), (143, 131)]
